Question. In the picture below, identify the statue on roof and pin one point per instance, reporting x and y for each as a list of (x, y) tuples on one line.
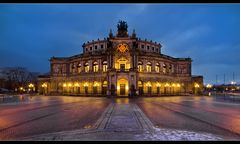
[(122, 29)]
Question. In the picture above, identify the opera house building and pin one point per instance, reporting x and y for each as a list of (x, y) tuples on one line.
[(120, 65)]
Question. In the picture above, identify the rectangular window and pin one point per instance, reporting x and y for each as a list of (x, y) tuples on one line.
[(95, 68), (101, 45), (148, 47), (149, 68), (104, 68), (140, 68), (152, 48), (95, 47), (86, 49), (86, 68), (90, 48), (142, 46)]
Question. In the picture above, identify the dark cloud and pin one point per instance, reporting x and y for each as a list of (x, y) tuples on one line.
[(209, 34)]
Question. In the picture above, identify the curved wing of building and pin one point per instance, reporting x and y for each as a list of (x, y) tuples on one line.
[(120, 65)]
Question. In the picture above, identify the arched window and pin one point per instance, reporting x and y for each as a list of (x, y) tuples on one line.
[(79, 67), (172, 68), (73, 68), (140, 87), (157, 67), (149, 87), (149, 67), (70, 68), (95, 67), (164, 68), (140, 66), (104, 87), (95, 87), (86, 67), (105, 66), (158, 87)]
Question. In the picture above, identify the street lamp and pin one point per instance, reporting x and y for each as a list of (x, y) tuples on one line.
[(31, 87), (209, 86), (196, 86), (44, 86)]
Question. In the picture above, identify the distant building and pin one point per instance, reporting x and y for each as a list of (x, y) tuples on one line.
[(120, 65)]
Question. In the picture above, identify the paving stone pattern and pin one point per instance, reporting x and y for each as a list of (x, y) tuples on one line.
[(124, 122)]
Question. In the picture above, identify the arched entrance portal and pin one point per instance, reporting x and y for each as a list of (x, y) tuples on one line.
[(122, 87)]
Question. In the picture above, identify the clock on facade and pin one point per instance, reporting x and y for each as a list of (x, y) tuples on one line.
[(122, 47)]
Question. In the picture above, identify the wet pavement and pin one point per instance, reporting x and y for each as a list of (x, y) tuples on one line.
[(199, 114), (124, 121), (91, 118), (49, 114)]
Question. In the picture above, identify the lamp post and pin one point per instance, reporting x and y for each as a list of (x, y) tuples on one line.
[(196, 86), (31, 87), (44, 86), (209, 86)]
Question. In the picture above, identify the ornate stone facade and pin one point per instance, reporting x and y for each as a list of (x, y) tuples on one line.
[(121, 65)]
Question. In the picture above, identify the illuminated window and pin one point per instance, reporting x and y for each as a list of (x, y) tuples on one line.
[(86, 67), (149, 87), (149, 67), (164, 68), (104, 87), (140, 66), (95, 67), (79, 67), (157, 67), (140, 87), (158, 87), (104, 66)]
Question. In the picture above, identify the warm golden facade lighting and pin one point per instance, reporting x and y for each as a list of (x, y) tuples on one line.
[(76, 85), (70, 84), (148, 84), (178, 85), (158, 84), (196, 85), (85, 84), (44, 85), (96, 84), (167, 85)]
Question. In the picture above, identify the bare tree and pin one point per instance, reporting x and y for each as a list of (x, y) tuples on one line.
[(18, 77)]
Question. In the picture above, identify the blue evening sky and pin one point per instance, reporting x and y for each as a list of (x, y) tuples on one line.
[(208, 33)]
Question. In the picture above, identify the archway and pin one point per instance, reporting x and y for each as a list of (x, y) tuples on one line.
[(122, 87)]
